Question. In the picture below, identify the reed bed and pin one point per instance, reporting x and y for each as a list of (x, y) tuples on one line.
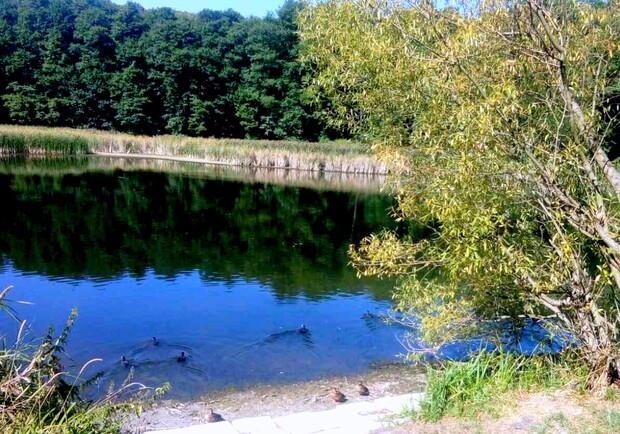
[(318, 157)]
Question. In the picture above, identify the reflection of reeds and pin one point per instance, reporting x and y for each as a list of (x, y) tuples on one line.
[(330, 181), (319, 157)]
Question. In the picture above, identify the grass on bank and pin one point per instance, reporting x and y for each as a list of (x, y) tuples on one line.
[(596, 420), (325, 157), (489, 382), (38, 396)]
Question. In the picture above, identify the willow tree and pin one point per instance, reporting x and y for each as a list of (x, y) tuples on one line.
[(494, 116)]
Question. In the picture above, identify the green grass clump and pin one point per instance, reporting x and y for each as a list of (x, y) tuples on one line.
[(553, 423), (610, 418), (467, 389), (44, 141)]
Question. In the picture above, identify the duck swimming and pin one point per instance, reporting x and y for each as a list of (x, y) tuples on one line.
[(368, 315), (214, 417), (182, 358), (155, 341)]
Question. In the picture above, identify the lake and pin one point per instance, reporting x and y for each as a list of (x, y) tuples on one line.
[(223, 270)]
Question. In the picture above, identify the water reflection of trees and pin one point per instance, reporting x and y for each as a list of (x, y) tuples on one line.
[(102, 225)]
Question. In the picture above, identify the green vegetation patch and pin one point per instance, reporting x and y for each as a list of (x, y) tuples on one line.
[(347, 157), (23, 142), (467, 389)]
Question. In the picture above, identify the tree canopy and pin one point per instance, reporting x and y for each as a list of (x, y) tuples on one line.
[(497, 117), (96, 64)]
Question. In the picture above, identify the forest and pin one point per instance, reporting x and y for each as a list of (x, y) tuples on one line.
[(96, 64)]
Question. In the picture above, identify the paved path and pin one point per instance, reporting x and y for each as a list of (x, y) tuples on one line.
[(354, 418)]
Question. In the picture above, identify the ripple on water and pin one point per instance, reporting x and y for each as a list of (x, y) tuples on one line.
[(154, 365)]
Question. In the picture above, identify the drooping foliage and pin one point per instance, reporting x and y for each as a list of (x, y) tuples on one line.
[(96, 64), (497, 116)]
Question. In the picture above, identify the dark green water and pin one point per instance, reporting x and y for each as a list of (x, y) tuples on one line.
[(225, 271)]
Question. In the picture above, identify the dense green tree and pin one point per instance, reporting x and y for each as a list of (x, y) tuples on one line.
[(95, 64), (93, 49), (29, 25), (270, 98), (492, 118), (129, 100)]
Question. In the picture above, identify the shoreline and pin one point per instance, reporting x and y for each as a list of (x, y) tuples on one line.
[(383, 380), (342, 157)]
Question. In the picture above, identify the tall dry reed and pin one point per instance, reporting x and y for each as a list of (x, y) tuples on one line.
[(319, 157)]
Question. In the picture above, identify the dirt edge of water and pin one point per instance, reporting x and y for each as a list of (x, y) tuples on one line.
[(385, 379), (555, 411)]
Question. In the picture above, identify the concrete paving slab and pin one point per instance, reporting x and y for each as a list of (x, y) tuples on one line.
[(256, 425), (210, 428), (352, 418), (396, 404), (291, 421), (309, 423), (378, 420), (349, 430), (357, 426), (355, 408)]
